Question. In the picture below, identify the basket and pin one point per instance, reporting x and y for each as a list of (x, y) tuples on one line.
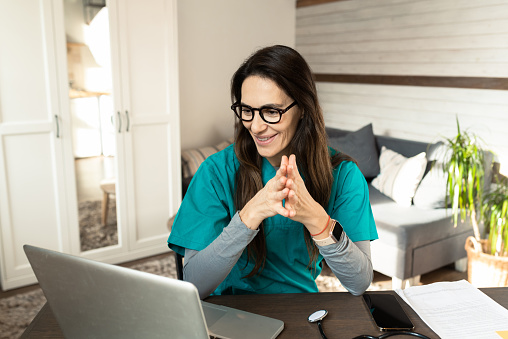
[(485, 270)]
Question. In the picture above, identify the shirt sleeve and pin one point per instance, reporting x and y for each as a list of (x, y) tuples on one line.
[(349, 259), (349, 203), (207, 269), (207, 207), (350, 263)]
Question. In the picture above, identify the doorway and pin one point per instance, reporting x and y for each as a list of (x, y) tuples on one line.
[(91, 110)]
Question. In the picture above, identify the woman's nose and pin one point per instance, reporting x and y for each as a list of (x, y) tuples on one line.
[(257, 124)]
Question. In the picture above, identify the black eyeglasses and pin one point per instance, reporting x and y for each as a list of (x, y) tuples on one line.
[(269, 114)]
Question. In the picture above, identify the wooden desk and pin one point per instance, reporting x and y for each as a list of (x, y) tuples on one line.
[(347, 315)]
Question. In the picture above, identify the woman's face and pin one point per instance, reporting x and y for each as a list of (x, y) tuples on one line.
[(272, 140)]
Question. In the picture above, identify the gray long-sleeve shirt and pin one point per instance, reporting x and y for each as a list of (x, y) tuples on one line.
[(206, 269)]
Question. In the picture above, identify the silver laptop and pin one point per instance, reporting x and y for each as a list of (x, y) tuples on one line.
[(95, 300)]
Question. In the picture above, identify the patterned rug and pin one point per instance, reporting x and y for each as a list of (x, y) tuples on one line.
[(92, 233)]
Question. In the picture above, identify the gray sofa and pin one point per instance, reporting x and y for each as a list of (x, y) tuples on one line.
[(412, 240)]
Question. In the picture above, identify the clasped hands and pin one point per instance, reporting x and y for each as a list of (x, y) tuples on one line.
[(285, 194)]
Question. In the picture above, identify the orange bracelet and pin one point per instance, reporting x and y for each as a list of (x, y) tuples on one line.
[(313, 235)]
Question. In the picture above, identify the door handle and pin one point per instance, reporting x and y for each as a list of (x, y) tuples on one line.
[(57, 126), (119, 122), (128, 120)]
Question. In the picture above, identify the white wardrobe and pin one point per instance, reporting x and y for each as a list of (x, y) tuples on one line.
[(38, 203)]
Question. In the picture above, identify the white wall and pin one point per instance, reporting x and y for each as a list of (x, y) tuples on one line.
[(424, 37), (74, 20), (215, 37), (407, 37)]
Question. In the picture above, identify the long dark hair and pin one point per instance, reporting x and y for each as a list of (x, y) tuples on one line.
[(287, 68)]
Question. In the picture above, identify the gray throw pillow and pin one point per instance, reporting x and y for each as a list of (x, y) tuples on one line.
[(361, 145)]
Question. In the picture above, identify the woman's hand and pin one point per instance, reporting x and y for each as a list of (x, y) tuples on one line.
[(300, 204), (268, 201)]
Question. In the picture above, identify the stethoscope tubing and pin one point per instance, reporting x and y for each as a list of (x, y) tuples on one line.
[(321, 330)]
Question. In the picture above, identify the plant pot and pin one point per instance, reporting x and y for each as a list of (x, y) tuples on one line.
[(485, 270)]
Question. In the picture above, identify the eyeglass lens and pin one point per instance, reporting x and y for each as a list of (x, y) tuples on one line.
[(268, 114)]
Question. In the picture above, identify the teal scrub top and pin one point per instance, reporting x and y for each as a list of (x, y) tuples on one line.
[(208, 207)]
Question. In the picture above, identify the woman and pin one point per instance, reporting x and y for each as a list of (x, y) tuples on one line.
[(260, 216)]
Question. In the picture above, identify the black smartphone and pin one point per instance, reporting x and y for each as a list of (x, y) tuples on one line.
[(387, 312)]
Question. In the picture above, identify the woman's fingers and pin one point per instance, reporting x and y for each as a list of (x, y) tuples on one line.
[(280, 180), (281, 195), (291, 203), (292, 168), (283, 211), (284, 161), (293, 175), (299, 202), (284, 187)]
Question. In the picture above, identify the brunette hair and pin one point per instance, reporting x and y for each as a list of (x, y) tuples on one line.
[(287, 68)]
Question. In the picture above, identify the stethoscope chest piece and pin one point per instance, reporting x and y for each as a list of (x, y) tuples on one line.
[(316, 317)]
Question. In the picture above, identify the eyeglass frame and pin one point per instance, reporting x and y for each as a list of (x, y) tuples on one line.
[(280, 110)]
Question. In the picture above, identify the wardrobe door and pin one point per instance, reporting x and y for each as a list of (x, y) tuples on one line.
[(37, 191), (146, 100)]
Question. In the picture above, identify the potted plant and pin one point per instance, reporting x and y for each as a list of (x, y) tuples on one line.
[(465, 168), (495, 214)]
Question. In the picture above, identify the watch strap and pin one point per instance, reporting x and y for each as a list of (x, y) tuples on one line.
[(332, 239)]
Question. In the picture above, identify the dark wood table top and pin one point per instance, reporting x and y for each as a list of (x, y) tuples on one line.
[(347, 315)]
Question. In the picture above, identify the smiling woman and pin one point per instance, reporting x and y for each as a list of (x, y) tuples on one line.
[(272, 130), (261, 215)]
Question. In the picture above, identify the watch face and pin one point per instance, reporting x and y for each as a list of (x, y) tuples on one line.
[(337, 230)]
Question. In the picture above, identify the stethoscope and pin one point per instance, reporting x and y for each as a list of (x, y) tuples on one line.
[(317, 316)]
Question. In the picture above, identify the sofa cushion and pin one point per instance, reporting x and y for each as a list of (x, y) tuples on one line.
[(192, 158), (399, 176), (361, 145), (411, 236), (411, 227)]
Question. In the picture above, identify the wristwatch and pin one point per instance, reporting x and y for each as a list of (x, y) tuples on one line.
[(332, 238)]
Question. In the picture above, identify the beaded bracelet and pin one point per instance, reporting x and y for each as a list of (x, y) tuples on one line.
[(313, 235)]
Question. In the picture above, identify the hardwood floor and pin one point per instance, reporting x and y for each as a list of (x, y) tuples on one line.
[(447, 273)]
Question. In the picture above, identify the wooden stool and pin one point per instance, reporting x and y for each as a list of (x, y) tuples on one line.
[(107, 187)]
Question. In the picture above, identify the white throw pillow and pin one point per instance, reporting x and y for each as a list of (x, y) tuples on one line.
[(399, 176), (431, 192)]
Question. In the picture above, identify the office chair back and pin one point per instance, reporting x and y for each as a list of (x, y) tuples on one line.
[(178, 257)]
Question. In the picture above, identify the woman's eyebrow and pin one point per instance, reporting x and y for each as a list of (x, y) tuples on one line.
[(265, 105), (275, 105)]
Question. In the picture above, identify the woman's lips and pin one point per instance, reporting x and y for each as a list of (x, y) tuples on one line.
[(264, 140)]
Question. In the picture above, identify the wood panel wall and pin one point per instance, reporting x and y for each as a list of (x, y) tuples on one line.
[(411, 67)]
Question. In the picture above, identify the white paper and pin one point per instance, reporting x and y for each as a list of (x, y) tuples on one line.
[(456, 310)]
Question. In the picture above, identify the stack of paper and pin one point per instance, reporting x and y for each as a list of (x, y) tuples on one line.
[(457, 310)]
